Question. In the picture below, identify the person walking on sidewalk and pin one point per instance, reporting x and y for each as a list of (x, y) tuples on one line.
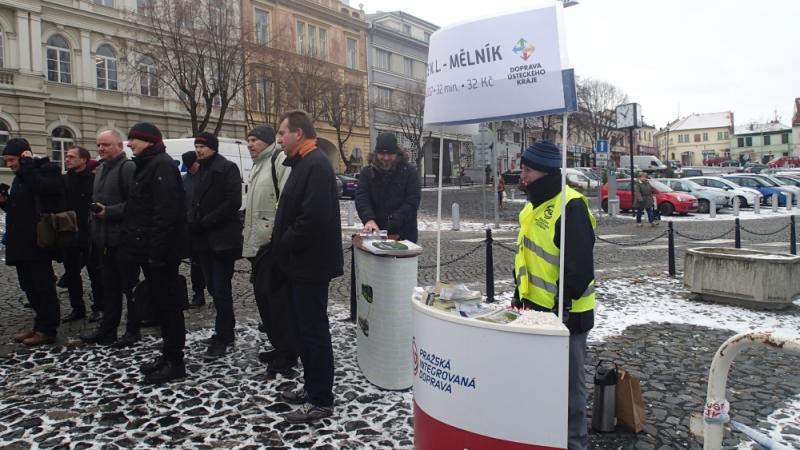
[(216, 234), (195, 269), (536, 267), (79, 181), (643, 199), (307, 240), (154, 234), (37, 188), (501, 188)]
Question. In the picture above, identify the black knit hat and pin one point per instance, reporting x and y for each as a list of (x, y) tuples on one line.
[(146, 132), (264, 133), (207, 139), (189, 158), (386, 143), (16, 146), (542, 156)]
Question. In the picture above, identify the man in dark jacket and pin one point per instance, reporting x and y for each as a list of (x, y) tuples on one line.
[(113, 182), (196, 270), (37, 187), (307, 239), (216, 233), (388, 191), (154, 233), (79, 181)]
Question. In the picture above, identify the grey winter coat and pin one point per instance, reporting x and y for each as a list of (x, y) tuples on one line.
[(112, 192), (643, 195)]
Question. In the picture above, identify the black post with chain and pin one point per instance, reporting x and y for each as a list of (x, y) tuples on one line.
[(489, 267), (671, 249), (792, 236), (737, 233)]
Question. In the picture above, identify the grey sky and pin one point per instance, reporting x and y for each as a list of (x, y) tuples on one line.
[(672, 56)]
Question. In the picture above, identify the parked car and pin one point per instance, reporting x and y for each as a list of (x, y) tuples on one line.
[(339, 187), (730, 163), (792, 180), (782, 185), (754, 167), (667, 200), (512, 176), (705, 195), (715, 161), (747, 196), (349, 185), (767, 189), (578, 179), (785, 161), (691, 172)]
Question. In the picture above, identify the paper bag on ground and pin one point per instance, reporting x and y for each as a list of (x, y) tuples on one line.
[(629, 403)]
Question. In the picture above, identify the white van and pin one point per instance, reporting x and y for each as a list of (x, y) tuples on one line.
[(648, 163), (233, 150)]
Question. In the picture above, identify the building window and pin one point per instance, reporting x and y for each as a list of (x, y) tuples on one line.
[(517, 137), (62, 139), (407, 29), (705, 137), (383, 97), (408, 67), (143, 7), (352, 53), (312, 41), (748, 141), (262, 95), (499, 135), (427, 37), (148, 80), (109, 3), (353, 99), (767, 140), (5, 135), (383, 59), (2, 49), (697, 137), (58, 60), (106, 63), (785, 138), (740, 142), (262, 26)]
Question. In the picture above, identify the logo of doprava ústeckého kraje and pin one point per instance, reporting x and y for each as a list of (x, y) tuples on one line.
[(524, 49)]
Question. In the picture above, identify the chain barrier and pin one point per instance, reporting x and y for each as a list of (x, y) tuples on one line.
[(704, 238), (632, 244), (765, 234), (459, 258), (503, 246)]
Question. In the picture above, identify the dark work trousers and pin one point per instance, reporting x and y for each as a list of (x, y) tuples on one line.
[(577, 435), (313, 336), (75, 259), (169, 307), (37, 280), (218, 272), (196, 272), (119, 275), (275, 312)]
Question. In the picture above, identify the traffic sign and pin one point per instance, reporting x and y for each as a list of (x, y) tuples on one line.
[(601, 146), (483, 141)]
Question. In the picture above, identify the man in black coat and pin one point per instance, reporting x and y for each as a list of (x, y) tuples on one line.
[(154, 233), (79, 181), (216, 233), (388, 191), (196, 270), (307, 240), (37, 187)]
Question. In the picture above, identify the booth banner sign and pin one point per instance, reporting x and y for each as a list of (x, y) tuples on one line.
[(501, 67)]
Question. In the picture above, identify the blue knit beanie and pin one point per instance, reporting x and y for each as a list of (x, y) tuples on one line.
[(542, 156)]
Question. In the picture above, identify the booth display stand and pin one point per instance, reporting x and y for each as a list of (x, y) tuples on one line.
[(384, 283), (488, 386)]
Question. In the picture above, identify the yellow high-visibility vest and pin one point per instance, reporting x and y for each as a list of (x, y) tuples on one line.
[(537, 259)]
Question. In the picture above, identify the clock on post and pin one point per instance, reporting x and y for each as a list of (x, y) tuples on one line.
[(629, 115)]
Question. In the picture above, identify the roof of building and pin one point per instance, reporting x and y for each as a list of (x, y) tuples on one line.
[(758, 128), (701, 121)]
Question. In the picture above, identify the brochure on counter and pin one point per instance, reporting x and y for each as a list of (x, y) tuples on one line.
[(391, 247)]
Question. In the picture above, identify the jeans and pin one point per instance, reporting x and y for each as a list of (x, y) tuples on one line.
[(119, 276), (163, 280), (309, 303), (577, 434), (218, 272), (37, 280), (76, 259), (650, 216)]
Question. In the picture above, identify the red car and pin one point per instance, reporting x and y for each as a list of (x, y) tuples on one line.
[(669, 201), (785, 161)]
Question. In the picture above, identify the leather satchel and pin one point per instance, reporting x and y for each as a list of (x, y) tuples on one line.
[(57, 230)]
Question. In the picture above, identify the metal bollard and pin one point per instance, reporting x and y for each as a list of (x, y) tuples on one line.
[(489, 268), (456, 218), (775, 200), (712, 208), (757, 205), (736, 206), (350, 214), (671, 248), (792, 236), (789, 201), (737, 233)]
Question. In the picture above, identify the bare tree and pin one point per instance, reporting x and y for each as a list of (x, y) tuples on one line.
[(597, 101), (201, 55), (408, 114), (343, 106)]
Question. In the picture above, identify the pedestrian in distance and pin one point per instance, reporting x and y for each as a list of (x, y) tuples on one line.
[(501, 188), (37, 188), (307, 244), (79, 181), (113, 182), (643, 199), (195, 269), (216, 234), (267, 180), (388, 193), (154, 235), (536, 267)]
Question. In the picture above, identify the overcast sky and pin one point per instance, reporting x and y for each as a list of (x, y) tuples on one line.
[(674, 57)]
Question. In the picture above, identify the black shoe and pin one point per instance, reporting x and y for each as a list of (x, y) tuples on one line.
[(128, 340), (62, 282), (167, 372), (153, 365), (197, 301), (216, 349), (267, 357), (73, 316), (309, 413), (296, 397), (94, 337), (96, 316), (287, 372)]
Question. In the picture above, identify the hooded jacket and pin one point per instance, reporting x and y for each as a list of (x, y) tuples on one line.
[(261, 201)]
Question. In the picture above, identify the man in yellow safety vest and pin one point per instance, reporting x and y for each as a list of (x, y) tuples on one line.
[(536, 266)]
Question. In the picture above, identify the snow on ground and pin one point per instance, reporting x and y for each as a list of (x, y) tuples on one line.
[(724, 215)]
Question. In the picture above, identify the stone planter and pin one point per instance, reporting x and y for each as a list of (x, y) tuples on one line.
[(743, 276)]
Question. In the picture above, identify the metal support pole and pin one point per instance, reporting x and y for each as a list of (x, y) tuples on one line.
[(562, 232), (353, 306), (792, 236), (775, 202), (671, 248), (736, 206), (789, 201), (489, 267), (633, 176), (456, 217), (350, 214), (439, 205), (712, 208), (737, 233)]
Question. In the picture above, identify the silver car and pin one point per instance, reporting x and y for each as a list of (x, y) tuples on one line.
[(747, 196), (705, 195)]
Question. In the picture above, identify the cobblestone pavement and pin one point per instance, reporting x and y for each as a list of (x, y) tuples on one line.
[(76, 396)]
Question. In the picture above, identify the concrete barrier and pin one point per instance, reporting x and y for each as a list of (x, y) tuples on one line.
[(743, 276)]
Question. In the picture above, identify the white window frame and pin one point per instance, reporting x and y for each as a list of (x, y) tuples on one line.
[(109, 65), (315, 46), (351, 58), (383, 59), (60, 145), (408, 66), (2, 48), (262, 95), (148, 79), (5, 135), (62, 56), (109, 3), (261, 28), (383, 97)]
